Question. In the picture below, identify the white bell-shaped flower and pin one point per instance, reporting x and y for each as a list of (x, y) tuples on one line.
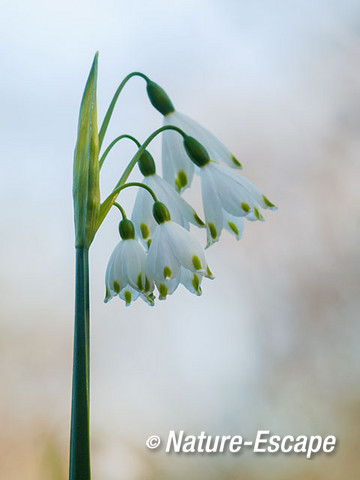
[(180, 211), (174, 256), (227, 196), (178, 169), (126, 270)]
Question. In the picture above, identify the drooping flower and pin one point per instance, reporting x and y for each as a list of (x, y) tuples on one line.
[(175, 256), (126, 270), (176, 164), (180, 211), (178, 170), (228, 197)]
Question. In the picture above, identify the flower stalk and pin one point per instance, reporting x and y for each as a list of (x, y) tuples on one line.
[(80, 433)]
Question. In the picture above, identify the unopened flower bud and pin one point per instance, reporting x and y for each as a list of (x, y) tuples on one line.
[(159, 98), (146, 164), (126, 229), (161, 213), (196, 151)]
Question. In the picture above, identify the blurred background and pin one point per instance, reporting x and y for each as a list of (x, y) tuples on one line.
[(273, 341)]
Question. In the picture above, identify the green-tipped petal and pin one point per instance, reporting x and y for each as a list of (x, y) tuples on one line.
[(268, 203), (128, 297), (236, 162), (163, 291)]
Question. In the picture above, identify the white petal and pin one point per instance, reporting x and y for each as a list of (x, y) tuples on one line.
[(191, 281), (129, 294), (216, 149), (186, 249), (242, 188), (120, 270), (180, 211), (256, 192), (170, 285), (161, 262), (135, 258), (211, 204), (235, 225), (174, 156), (112, 272), (159, 258), (232, 192), (109, 277), (142, 216)]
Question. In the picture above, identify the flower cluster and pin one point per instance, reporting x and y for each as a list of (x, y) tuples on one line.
[(173, 257), (156, 247)]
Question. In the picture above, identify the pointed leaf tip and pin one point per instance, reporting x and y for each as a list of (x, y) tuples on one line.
[(86, 191)]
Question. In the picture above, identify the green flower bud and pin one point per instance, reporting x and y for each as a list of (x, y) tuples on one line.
[(160, 212), (159, 98), (146, 164), (86, 190), (126, 229), (196, 151)]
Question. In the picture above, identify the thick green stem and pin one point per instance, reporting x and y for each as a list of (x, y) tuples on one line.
[(80, 434)]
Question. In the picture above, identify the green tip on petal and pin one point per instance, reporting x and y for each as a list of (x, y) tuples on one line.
[(181, 180), (127, 296), (234, 228), (145, 232), (163, 291), (236, 162), (258, 214), (139, 282), (150, 299), (196, 284), (116, 287), (245, 206), (107, 295), (268, 203), (209, 274), (167, 272), (196, 262), (198, 220), (213, 231), (147, 284), (148, 243)]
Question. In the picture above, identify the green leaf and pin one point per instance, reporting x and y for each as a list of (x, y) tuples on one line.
[(86, 190)]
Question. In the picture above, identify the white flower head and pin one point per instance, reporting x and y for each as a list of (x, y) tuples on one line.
[(126, 270), (227, 195), (180, 211), (175, 256), (228, 198), (178, 170)]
